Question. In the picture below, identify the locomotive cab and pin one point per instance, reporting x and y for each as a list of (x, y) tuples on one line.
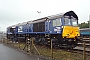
[(70, 27)]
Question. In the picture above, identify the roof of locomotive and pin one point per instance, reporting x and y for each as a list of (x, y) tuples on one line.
[(18, 24), (70, 13), (46, 18)]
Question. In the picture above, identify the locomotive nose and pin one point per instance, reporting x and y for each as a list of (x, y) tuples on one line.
[(70, 32)]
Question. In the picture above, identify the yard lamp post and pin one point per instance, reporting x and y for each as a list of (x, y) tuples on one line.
[(39, 13)]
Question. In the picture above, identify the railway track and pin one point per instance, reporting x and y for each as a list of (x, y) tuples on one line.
[(80, 48)]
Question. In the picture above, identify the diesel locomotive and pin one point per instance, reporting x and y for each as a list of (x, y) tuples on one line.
[(62, 29)]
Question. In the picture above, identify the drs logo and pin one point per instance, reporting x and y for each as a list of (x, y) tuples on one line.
[(20, 29)]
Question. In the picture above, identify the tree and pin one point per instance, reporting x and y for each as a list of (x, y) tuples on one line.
[(84, 25)]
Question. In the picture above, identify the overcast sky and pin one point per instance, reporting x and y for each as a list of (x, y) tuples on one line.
[(17, 11)]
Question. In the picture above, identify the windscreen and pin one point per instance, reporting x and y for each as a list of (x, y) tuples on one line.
[(70, 18), (67, 21), (74, 22), (70, 21)]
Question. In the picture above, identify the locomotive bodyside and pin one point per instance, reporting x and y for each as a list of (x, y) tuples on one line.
[(62, 29)]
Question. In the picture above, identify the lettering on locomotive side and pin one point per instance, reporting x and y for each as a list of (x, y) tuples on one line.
[(57, 29)]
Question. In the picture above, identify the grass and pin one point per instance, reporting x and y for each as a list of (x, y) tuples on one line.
[(60, 55)]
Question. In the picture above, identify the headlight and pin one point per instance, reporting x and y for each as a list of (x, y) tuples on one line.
[(62, 26), (67, 34)]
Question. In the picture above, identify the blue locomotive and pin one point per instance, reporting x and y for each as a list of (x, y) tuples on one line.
[(62, 29)]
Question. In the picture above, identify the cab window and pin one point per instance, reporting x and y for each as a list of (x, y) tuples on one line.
[(67, 21), (57, 22), (74, 22)]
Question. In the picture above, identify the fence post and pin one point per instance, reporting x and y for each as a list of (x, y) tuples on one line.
[(19, 43), (84, 55), (7, 41), (51, 51), (27, 44), (34, 47)]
